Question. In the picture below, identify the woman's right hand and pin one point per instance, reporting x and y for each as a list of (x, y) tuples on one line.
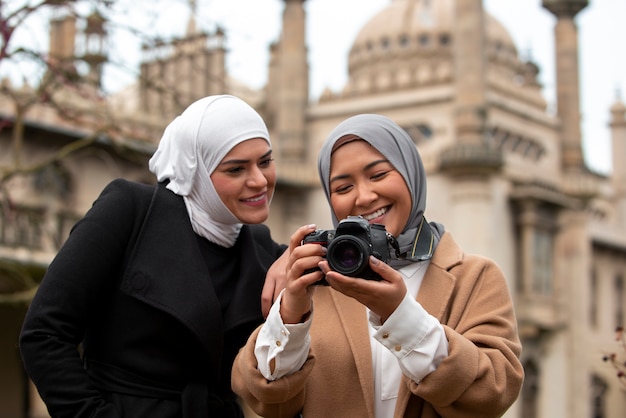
[(302, 273), (381, 296)]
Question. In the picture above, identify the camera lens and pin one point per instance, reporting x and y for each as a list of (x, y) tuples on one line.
[(348, 255)]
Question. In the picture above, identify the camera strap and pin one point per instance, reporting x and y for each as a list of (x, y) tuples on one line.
[(422, 246)]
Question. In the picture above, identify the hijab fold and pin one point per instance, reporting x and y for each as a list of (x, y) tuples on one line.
[(418, 238), (191, 148)]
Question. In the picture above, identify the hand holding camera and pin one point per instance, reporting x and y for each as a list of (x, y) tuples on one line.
[(351, 244)]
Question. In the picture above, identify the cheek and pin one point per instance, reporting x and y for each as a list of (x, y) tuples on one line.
[(270, 176), (340, 206), (221, 185), (404, 204), (271, 185)]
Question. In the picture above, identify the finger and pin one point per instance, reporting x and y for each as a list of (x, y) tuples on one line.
[(308, 262), (309, 254), (298, 236), (324, 267), (275, 281), (383, 269), (311, 278), (267, 297), (351, 280), (337, 280)]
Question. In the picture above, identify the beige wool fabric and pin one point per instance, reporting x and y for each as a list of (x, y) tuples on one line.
[(481, 377)]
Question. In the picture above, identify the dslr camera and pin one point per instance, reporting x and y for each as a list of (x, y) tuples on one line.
[(351, 244)]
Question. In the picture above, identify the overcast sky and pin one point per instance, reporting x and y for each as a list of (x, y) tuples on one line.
[(332, 26)]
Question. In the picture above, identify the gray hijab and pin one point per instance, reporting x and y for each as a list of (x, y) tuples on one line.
[(419, 238)]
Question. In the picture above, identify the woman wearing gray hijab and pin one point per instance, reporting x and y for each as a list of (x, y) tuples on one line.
[(161, 284), (431, 332)]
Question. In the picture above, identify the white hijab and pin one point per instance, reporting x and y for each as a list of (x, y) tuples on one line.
[(190, 150)]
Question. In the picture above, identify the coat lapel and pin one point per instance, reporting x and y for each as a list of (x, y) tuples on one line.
[(167, 271), (438, 284), (246, 304), (435, 293), (354, 322)]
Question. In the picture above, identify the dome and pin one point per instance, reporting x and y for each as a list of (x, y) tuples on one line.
[(410, 41), (412, 22)]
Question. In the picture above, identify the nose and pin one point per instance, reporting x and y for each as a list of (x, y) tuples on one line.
[(366, 194), (256, 178)]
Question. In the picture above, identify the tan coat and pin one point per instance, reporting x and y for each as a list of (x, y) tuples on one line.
[(481, 377)]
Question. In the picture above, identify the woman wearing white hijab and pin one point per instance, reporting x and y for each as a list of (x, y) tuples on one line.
[(161, 285), (436, 336)]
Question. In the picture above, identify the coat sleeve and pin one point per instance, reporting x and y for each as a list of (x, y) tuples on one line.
[(484, 348), (77, 281), (282, 398)]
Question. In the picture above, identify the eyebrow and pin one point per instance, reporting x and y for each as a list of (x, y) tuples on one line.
[(367, 167), (235, 161)]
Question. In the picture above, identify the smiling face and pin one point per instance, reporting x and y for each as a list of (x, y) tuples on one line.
[(245, 180), (363, 182)]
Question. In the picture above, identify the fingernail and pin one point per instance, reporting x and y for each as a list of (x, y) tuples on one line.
[(374, 260)]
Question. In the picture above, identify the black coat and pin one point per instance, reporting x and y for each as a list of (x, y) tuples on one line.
[(131, 285)]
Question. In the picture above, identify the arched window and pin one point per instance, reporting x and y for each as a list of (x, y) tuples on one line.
[(598, 397), (619, 301), (530, 390), (419, 132), (593, 299), (543, 258)]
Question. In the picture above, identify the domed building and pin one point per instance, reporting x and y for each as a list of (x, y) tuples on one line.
[(506, 174)]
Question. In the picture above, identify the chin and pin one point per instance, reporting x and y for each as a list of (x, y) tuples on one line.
[(393, 231), (256, 219)]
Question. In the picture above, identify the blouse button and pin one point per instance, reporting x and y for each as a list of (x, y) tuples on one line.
[(278, 343), (398, 347), (386, 335)]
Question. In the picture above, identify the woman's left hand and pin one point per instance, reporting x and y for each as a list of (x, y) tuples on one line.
[(275, 282), (381, 297)]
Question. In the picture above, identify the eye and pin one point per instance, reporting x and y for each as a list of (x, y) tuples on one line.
[(344, 188), (379, 175), (235, 170), (266, 162)]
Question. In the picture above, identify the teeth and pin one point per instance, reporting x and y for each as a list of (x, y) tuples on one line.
[(255, 199), (376, 214)]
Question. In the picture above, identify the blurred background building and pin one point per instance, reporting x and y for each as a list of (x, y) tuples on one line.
[(506, 176)]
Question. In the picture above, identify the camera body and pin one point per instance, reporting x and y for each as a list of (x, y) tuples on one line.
[(351, 244)]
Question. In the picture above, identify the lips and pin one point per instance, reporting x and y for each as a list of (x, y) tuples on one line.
[(376, 214), (260, 198)]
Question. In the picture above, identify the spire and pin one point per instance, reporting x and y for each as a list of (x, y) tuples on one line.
[(62, 39), (293, 86), (191, 25), (577, 179), (94, 48), (471, 153), (567, 80), (618, 145)]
